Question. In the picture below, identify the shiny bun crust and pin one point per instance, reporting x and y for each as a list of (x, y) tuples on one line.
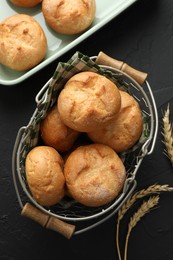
[(125, 130), (67, 16), (94, 175), (23, 43), (88, 101), (54, 133), (45, 175), (26, 3)]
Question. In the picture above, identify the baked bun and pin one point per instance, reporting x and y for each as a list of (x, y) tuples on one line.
[(45, 175), (54, 133), (23, 43), (26, 3), (69, 17), (94, 174), (88, 101), (125, 130)]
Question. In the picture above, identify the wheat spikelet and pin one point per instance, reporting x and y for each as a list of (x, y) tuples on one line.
[(145, 208), (168, 135), (138, 195), (142, 211)]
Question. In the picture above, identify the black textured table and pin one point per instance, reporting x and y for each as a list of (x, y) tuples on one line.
[(142, 36)]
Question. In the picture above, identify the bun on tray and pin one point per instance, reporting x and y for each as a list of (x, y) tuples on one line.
[(44, 173), (88, 101), (125, 130), (23, 43), (67, 16), (55, 133), (26, 3), (94, 174)]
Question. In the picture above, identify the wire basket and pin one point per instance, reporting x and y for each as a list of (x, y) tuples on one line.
[(68, 210)]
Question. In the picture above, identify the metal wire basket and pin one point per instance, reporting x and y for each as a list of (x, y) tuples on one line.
[(68, 210)]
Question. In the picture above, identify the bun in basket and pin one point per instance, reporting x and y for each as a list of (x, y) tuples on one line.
[(23, 43), (88, 101), (94, 174), (54, 133), (67, 16), (125, 130), (26, 3), (45, 175)]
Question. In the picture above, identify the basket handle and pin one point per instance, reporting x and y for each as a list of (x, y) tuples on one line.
[(14, 164), (104, 59), (47, 221)]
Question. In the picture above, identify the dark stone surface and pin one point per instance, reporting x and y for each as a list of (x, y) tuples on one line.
[(142, 36)]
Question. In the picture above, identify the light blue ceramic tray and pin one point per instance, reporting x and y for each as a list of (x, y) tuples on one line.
[(58, 44)]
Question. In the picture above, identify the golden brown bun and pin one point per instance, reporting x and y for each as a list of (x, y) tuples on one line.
[(88, 101), (26, 3), (23, 43), (94, 174), (44, 175), (123, 132), (54, 133), (67, 16)]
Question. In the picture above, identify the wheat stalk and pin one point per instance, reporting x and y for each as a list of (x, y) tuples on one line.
[(142, 211), (138, 195), (168, 135)]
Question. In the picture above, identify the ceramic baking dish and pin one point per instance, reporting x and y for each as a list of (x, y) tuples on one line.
[(58, 44)]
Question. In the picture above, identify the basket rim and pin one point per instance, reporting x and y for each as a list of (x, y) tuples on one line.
[(151, 139)]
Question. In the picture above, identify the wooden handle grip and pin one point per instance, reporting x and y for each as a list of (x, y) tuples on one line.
[(104, 59), (48, 221)]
